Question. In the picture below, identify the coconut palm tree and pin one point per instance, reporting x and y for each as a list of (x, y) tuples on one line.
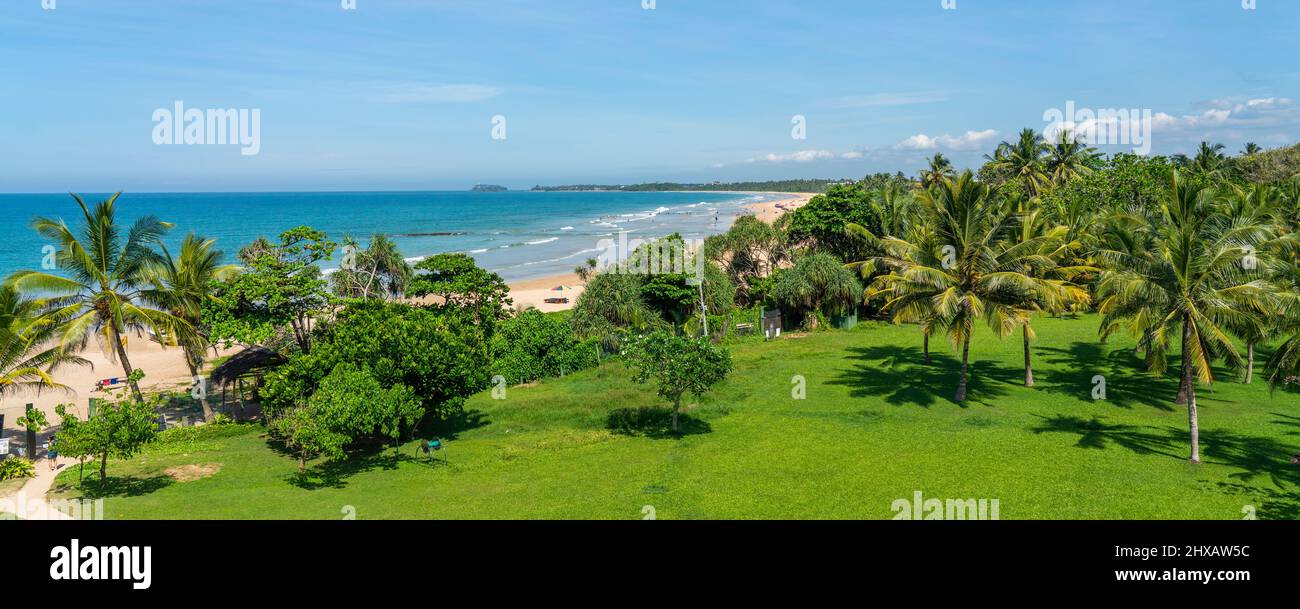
[(1251, 148), (939, 168), (1209, 162), (1194, 283), (105, 285), (1023, 160), (180, 285), (1046, 248), (1068, 158), (977, 273), (28, 354)]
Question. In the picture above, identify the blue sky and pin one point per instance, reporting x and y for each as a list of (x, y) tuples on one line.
[(401, 94)]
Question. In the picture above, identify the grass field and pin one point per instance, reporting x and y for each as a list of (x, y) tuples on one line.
[(876, 426)]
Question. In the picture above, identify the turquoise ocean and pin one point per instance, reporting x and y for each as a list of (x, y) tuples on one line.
[(519, 234)]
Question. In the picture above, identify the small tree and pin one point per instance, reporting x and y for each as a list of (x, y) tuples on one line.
[(459, 282), (118, 430), (677, 365), (349, 405)]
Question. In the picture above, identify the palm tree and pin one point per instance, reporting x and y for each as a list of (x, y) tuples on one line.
[(379, 270), (1069, 158), (978, 272), (939, 168), (1191, 283), (1023, 160), (28, 355), (1209, 162), (105, 290), (1045, 246), (1251, 148), (180, 285)]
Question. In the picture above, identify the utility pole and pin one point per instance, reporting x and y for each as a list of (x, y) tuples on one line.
[(704, 308)]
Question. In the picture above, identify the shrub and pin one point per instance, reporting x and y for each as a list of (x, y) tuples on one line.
[(17, 467), (533, 345)]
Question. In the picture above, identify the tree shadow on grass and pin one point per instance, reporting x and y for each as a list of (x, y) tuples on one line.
[(1127, 384), (654, 422), (335, 474), (1254, 457), (452, 425), (120, 486), (1270, 504), (901, 376)]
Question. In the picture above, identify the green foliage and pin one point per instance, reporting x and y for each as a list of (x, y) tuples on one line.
[(817, 286), (456, 281), (379, 271), (611, 303), (1271, 166), (118, 430), (279, 291), (440, 354), (14, 468), (822, 222), (34, 420), (533, 345), (676, 365), (349, 405)]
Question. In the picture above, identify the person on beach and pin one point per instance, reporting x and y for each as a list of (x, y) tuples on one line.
[(52, 453)]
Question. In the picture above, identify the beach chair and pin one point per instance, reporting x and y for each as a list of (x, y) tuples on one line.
[(433, 446)]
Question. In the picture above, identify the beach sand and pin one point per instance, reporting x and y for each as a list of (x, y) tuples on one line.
[(165, 367)]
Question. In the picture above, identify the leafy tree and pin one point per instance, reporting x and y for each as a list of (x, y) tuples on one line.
[(458, 282), (1192, 283), (533, 345), (349, 405), (1209, 162), (677, 365), (821, 223), (118, 429), (612, 302), (379, 271), (1251, 148), (104, 290), (279, 290), (439, 354)]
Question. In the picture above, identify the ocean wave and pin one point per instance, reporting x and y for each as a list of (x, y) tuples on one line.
[(541, 241)]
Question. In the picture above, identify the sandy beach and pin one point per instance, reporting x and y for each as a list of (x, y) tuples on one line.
[(165, 367)]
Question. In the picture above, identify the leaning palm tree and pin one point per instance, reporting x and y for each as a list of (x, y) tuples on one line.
[(28, 354), (180, 285), (977, 272), (105, 282), (1196, 283), (1023, 160)]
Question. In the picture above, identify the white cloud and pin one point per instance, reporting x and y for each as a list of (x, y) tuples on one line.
[(803, 156), (971, 140), (852, 155), (414, 92)]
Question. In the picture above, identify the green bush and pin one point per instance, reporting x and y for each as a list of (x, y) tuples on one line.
[(534, 346), (17, 467)]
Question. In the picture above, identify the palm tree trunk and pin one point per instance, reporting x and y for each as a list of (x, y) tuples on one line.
[(1189, 392), (126, 363), (1250, 363), (926, 347), (965, 358), (1029, 366)]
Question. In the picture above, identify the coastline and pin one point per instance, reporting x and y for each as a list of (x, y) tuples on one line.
[(535, 291)]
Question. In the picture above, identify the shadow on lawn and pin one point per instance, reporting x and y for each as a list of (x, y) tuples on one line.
[(1254, 456), (1127, 385), (119, 486), (901, 376), (335, 474), (654, 422)]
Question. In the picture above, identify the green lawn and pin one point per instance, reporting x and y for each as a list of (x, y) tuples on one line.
[(876, 426)]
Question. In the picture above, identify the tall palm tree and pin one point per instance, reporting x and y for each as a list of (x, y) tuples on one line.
[(1209, 162), (1251, 148), (1192, 284), (979, 272), (28, 354), (180, 285), (939, 168), (105, 287), (1068, 158), (1046, 248), (1023, 160)]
